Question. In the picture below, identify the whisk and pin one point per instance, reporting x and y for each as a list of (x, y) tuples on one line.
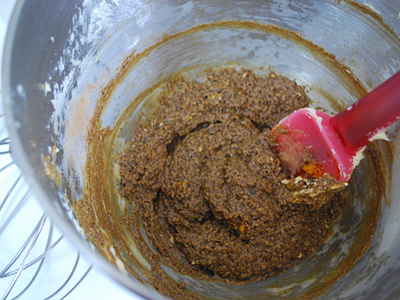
[(34, 256)]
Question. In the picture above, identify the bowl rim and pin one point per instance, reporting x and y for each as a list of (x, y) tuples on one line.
[(20, 157)]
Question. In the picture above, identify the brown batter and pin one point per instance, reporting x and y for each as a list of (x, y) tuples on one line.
[(144, 234), (212, 193)]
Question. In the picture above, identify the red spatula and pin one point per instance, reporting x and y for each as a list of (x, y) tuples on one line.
[(311, 143)]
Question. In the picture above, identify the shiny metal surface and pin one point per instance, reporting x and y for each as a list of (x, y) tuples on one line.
[(36, 261), (50, 62)]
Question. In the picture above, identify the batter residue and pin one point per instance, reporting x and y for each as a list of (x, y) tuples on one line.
[(212, 193)]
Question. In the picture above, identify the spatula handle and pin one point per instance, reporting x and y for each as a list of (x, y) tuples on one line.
[(374, 112)]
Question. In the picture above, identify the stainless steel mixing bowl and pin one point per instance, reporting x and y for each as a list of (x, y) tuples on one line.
[(59, 55)]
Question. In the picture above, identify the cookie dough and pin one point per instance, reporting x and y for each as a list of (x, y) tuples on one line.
[(211, 192)]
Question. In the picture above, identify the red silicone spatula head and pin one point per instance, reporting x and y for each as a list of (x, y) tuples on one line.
[(309, 146), (311, 143)]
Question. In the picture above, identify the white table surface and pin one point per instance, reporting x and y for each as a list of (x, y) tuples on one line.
[(95, 285)]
